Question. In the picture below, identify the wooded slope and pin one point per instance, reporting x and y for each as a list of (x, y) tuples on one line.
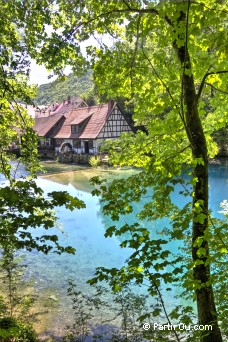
[(59, 90)]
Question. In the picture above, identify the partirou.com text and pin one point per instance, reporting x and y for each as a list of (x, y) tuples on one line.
[(180, 326)]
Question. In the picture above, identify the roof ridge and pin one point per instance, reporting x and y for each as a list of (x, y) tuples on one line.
[(90, 107)]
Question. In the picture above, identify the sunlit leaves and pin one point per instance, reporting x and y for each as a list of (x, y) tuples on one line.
[(62, 198), (24, 208), (23, 204), (147, 69)]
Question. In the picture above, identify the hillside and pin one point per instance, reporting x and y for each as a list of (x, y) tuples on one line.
[(59, 90)]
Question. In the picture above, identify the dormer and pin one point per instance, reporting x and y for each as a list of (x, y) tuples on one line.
[(78, 125)]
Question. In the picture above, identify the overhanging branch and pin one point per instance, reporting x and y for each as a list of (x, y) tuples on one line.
[(205, 77), (108, 13), (128, 9), (217, 89), (135, 50)]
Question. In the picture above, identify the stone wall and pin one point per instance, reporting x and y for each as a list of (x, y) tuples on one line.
[(70, 157), (47, 154), (81, 158)]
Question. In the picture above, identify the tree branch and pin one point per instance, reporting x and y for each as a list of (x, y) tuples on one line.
[(104, 14), (127, 5), (204, 79), (165, 86), (154, 283), (185, 60), (220, 90), (157, 75), (135, 50)]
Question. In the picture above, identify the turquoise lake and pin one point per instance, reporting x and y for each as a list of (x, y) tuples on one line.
[(84, 229)]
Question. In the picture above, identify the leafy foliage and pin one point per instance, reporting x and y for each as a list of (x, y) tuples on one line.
[(14, 289), (94, 161), (19, 218), (171, 57), (23, 204), (24, 207), (13, 330)]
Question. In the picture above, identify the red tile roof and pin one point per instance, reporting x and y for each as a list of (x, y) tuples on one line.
[(44, 125), (97, 116), (81, 117), (61, 108), (31, 110)]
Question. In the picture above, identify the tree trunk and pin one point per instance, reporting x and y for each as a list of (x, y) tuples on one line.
[(201, 272)]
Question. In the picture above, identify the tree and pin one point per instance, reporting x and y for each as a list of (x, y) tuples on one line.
[(24, 206), (168, 56)]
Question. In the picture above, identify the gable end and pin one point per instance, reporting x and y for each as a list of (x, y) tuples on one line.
[(115, 124)]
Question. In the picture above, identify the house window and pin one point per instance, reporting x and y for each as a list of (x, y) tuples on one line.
[(58, 142), (77, 144), (74, 129), (48, 142), (45, 142)]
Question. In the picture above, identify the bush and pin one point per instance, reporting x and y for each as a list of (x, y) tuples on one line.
[(13, 330), (94, 161)]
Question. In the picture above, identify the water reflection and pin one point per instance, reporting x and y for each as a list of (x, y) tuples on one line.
[(84, 229)]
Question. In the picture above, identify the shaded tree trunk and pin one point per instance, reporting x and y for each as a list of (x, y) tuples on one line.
[(201, 272)]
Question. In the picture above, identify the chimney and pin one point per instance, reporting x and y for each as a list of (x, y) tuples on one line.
[(110, 104), (68, 99)]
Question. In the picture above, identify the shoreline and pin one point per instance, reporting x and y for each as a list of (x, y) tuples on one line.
[(54, 168)]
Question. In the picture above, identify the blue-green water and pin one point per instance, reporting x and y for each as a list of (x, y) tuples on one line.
[(84, 229)]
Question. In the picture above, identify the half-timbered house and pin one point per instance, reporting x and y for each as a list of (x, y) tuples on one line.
[(47, 127), (84, 129), (49, 120)]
